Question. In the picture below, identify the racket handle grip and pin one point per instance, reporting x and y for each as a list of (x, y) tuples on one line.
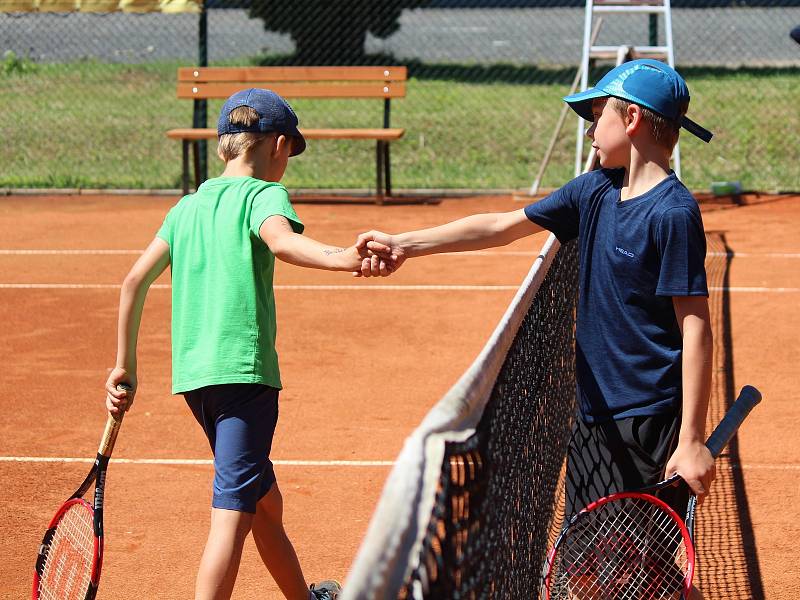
[(112, 428), (748, 398)]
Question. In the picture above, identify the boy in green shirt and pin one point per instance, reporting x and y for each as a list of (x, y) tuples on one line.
[(221, 243)]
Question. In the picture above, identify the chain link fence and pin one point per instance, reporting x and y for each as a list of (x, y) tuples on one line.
[(87, 98)]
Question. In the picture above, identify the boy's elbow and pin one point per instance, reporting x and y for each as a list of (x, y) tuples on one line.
[(133, 282), (280, 245), (279, 249)]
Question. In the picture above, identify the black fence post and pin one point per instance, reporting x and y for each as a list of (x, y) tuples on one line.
[(653, 30), (200, 117)]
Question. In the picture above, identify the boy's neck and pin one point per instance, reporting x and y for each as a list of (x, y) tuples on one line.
[(249, 164), (235, 168), (643, 173)]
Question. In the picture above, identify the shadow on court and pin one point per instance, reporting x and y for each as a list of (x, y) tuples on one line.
[(727, 564)]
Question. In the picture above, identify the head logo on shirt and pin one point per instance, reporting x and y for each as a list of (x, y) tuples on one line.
[(627, 253)]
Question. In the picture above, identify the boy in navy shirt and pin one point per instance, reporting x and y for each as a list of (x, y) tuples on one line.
[(643, 334)]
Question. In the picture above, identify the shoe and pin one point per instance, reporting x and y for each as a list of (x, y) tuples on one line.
[(326, 590)]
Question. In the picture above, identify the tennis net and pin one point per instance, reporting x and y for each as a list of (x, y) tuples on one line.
[(475, 497)]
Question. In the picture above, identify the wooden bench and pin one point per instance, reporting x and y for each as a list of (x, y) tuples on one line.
[(385, 83)]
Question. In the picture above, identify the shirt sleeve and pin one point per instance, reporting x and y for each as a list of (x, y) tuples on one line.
[(273, 200), (165, 231), (682, 246), (559, 212)]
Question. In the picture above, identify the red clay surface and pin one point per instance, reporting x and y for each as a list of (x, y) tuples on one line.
[(361, 367)]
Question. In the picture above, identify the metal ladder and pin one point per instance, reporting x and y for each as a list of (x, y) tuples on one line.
[(621, 53)]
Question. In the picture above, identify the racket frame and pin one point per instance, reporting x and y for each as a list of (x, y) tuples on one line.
[(686, 528), (97, 475), (748, 398)]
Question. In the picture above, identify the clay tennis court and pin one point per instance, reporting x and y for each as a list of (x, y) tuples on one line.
[(362, 361)]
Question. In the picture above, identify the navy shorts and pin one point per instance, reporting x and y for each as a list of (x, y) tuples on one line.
[(624, 455), (239, 421)]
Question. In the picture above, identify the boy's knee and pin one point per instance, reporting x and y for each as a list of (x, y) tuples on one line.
[(270, 506), (231, 524)]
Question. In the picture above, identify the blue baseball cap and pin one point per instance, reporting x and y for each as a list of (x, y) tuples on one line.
[(646, 82), (275, 115)]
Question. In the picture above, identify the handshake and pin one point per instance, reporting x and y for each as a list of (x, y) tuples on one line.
[(380, 254)]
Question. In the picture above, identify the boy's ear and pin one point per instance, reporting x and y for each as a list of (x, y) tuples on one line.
[(282, 143), (633, 118)]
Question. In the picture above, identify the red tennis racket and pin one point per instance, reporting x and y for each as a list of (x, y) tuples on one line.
[(71, 554), (632, 545)]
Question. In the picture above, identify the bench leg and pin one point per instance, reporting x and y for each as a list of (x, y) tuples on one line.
[(379, 164), (185, 175), (387, 177), (196, 156)]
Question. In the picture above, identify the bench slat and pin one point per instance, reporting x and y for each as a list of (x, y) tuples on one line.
[(295, 90), (272, 74), (312, 134)]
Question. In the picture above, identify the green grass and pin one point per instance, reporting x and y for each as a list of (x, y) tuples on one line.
[(96, 125)]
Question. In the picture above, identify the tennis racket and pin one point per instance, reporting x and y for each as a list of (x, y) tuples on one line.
[(632, 545), (71, 554)]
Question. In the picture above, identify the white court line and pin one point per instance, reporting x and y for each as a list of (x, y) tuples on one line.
[(198, 461), (67, 252), (362, 288), (756, 290), (34, 252), (74, 286), (303, 463), (44, 252), (757, 254), (365, 287)]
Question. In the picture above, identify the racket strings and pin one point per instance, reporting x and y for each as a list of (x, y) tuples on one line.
[(68, 567), (628, 549)]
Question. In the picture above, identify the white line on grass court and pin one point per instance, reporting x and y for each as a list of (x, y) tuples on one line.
[(305, 463), (364, 288)]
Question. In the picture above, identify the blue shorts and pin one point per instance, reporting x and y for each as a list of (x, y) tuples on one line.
[(239, 421)]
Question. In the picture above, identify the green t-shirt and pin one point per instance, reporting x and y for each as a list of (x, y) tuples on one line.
[(223, 306)]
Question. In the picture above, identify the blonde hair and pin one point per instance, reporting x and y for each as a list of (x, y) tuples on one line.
[(232, 145), (665, 132)]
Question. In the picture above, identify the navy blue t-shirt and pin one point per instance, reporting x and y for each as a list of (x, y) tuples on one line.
[(634, 256)]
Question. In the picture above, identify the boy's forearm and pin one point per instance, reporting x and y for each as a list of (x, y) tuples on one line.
[(475, 232), (697, 368), (306, 252)]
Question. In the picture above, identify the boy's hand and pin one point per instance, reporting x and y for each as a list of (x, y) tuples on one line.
[(364, 263), (694, 463), (382, 255), (120, 400)]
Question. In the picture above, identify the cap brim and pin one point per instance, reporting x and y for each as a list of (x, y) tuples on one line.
[(695, 129), (298, 143), (581, 102)]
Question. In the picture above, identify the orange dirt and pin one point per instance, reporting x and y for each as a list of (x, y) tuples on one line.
[(361, 367)]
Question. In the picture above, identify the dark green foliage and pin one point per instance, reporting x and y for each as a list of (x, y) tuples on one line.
[(331, 32)]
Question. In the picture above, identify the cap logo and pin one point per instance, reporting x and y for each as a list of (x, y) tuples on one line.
[(615, 88)]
